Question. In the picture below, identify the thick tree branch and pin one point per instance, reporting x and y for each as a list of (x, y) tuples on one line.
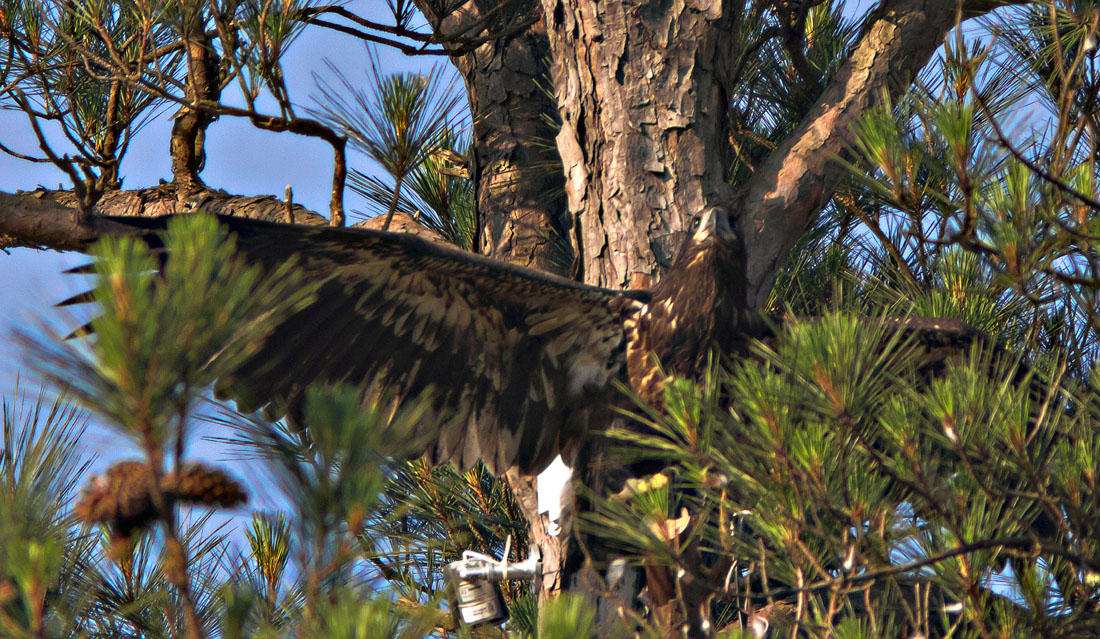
[(799, 177), (47, 219)]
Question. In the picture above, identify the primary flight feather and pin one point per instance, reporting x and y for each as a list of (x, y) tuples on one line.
[(521, 365)]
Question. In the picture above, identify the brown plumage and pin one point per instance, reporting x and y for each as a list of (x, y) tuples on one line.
[(697, 308), (522, 365)]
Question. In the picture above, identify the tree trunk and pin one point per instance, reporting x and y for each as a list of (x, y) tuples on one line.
[(644, 90), (643, 93), (189, 124), (514, 167)]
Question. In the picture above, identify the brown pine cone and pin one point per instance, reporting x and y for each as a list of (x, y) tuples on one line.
[(119, 497), (197, 484), (122, 495)]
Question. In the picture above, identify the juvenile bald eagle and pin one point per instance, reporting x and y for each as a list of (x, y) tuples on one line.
[(522, 364)]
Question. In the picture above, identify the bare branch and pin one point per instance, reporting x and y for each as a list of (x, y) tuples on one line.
[(407, 49), (799, 177), (454, 43)]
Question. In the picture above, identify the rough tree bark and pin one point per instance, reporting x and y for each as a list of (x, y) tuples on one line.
[(641, 91), (644, 91), (514, 167)]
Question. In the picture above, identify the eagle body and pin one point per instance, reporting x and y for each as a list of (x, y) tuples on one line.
[(520, 366), (696, 309)]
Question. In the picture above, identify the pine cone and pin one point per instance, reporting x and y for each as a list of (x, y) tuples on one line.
[(119, 497), (122, 495), (198, 484)]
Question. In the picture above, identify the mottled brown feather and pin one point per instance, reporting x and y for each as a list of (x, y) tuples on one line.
[(396, 314), (520, 365)]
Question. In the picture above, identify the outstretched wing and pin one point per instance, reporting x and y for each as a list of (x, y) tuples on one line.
[(519, 363)]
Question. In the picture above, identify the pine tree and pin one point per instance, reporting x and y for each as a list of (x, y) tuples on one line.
[(832, 484)]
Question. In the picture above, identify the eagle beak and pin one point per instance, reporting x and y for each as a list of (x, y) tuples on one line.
[(714, 223)]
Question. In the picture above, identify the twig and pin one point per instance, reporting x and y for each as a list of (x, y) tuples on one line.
[(407, 49), (1033, 167), (965, 549), (845, 199)]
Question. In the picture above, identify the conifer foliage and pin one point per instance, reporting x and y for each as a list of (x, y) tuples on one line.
[(827, 483)]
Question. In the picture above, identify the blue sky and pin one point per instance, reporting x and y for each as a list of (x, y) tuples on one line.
[(240, 159)]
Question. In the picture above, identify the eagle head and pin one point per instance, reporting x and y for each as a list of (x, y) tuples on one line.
[(712, 258), (714, 224)]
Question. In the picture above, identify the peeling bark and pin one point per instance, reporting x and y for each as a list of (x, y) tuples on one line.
[(514, 167), (516, 171), (643, 90)]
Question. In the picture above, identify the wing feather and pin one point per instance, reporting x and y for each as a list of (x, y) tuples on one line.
[(499, 346)]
